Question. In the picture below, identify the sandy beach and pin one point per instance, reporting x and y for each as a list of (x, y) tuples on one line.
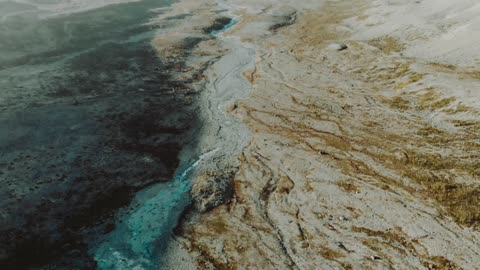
[(362, 135)]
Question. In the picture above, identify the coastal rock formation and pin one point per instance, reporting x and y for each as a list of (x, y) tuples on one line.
[(283, 16), (212, 190)]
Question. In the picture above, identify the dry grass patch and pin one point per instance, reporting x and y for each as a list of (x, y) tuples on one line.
[(429, 131), (330, 254), (387, 44), (436, 175), (433, 101), (443, 67), (462, 108), (443, 103), (387, 75), (462, 73), (399, 103), (470, 75), (394, 235), (413, 78), (319, 30), (348, 186), (440, 263)]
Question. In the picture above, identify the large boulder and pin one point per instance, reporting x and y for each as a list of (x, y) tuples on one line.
[(212, 190)]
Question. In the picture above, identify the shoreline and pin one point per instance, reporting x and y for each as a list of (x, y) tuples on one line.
[(142, 237), (224, 84)]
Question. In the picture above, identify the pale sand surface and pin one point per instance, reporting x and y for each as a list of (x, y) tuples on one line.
[(365, 158)]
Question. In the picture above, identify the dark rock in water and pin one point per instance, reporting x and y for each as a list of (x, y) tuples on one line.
[(218, 24), (283, 16), (212, 190)]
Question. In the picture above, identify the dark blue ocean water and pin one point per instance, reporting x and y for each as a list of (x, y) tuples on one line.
[(84, 127)]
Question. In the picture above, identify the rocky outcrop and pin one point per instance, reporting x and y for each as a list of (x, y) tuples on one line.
[(212, 190), (283, 16)]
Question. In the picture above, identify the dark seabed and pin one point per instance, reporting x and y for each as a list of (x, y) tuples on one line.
[(87, 119)]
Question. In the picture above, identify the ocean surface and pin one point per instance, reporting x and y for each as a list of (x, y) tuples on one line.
[(90, 135)]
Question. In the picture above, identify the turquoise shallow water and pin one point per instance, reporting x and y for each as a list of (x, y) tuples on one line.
[(140, 236)]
